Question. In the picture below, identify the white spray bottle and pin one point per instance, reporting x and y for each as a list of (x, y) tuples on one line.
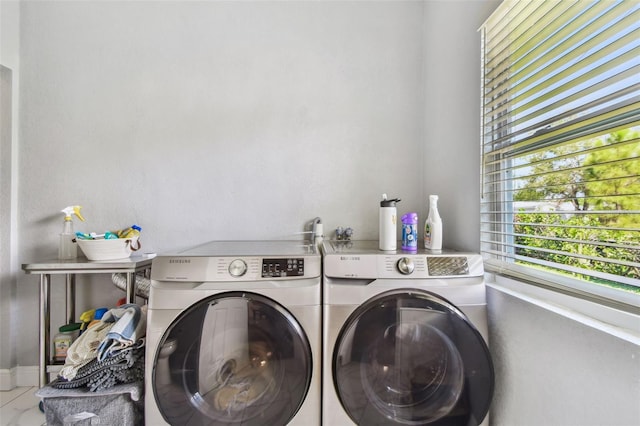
[(68, 249), (433, 226)]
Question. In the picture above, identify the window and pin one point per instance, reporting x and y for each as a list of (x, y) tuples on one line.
[(561, 146)]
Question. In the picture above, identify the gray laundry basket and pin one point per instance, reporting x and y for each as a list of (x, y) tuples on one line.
[(116, 406)]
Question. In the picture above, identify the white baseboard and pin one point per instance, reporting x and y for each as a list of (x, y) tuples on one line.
[(28, 375), (19, 376), (7, 379)]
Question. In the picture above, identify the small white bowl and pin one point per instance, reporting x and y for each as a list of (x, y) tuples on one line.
[(120, 248)]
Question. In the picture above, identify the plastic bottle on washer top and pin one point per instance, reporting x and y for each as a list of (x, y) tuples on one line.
[(433, 226), (387, 223), (410, 231)]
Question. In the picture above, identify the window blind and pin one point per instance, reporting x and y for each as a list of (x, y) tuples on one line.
[(561, 141)]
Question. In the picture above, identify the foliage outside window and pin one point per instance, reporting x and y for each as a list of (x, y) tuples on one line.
[(561, 144)]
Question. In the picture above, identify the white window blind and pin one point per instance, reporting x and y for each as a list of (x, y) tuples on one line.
[(561, 143)]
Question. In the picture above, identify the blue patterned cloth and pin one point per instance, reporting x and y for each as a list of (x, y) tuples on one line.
[(130, 326)]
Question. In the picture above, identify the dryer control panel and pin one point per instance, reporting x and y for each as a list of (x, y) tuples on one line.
[(220, 268), (283, 267)]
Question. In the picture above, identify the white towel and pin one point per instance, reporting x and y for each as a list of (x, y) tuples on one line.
[(84, 349)]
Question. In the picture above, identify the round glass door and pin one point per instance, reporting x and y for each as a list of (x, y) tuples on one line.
[(232, 359), (411, 357)]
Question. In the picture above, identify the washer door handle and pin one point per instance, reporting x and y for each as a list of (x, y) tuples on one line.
[(405, 266)]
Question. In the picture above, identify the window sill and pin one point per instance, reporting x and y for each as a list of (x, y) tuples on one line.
[(624, 325)]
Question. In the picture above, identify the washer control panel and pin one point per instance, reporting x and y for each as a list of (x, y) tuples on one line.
[(410, 266), (448, 266)]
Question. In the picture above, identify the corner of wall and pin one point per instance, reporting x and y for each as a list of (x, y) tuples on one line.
[(9, 68)]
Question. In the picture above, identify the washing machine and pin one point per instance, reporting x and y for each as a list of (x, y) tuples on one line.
[(404, 337), (234, 335)]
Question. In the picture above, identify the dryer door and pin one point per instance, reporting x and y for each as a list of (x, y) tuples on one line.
[(411, 357), (233, 358)]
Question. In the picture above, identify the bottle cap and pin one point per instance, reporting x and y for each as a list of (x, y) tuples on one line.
[(70, 327), (410, 218), (388, 203)]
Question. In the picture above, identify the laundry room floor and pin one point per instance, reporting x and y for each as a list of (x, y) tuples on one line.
[(19, 407)]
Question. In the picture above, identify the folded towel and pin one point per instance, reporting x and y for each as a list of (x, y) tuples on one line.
[(125, 367), (130, 325), (84, 348)]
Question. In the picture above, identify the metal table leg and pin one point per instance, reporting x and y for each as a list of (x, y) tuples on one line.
[(131, 287), (70, 281), (45, 345)]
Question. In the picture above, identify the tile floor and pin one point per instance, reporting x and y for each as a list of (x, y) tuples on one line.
[(19, 407)]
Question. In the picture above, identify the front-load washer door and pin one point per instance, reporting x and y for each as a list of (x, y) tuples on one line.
[(235, 358), (410, 357)]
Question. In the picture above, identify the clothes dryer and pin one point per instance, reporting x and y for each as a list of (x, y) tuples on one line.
[(234, 335), (404, 338)]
